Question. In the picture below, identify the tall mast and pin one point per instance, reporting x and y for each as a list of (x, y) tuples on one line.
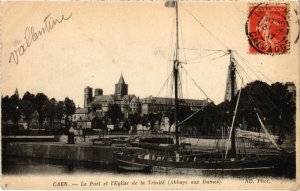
[(232, 104), (175, 69)]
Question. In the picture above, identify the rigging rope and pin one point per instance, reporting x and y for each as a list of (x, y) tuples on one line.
[(183, 54), (220, 56), (242, 80), (266, 131), (262, 103), (204, 56), (198, 21), (190, 116), (197, 85), (200, 61), (248, 64), (242, 85), (170, 57), (259, 91), (253, 102), (166, 82)]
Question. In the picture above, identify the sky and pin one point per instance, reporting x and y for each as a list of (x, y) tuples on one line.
[(102, 40)]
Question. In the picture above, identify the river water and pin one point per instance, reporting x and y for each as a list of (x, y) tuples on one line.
[(34, 166)]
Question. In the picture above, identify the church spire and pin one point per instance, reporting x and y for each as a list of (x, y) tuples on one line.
[(121, 88), (121, 80)]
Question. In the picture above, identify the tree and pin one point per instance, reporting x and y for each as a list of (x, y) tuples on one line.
[(27, 107), (271, 102), (15, 109), (115, 114), (10, 109), (69, 110), (126, 126), (50, 110), (145, 120), (6, 108), (153, 118), (59, 110), (41, 101), (134, 119), (286, 106)]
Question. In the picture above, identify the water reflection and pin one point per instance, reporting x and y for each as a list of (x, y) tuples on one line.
[(13, 166)]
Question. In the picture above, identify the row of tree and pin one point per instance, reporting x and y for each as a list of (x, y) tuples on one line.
[(13, 107)]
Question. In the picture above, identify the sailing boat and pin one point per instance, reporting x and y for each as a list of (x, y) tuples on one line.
[(174, 157)]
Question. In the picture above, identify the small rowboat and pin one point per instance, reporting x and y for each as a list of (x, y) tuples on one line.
[(132, 166)]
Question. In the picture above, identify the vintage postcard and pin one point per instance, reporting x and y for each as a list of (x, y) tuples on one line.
[(150, 95)]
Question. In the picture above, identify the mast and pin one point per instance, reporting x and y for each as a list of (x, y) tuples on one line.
[(232, 105), (175, 70)]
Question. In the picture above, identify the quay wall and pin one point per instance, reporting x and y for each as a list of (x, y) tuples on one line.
[(72, 152)]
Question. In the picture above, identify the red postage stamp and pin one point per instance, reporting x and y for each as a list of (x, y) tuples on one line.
[(267, 29)]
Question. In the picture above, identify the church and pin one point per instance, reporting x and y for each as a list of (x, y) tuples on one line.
[(102, 103), (128, 103)]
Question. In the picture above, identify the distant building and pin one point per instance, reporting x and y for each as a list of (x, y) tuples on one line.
[(80, 113), (102, 103), (93, 120), (88, 96), (161, 104), (129, 103)]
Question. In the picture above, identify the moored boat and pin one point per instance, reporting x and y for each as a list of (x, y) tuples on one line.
[(124, 165), (130, 164)]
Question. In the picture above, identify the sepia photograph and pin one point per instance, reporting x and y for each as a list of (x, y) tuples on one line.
[(141, 95)]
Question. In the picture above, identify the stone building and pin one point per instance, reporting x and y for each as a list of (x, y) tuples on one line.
[(161, 104), (93, 120), (79, 113), (128, 103)]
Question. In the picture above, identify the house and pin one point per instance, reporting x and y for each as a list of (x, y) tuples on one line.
[(80, 112), (93, 120)]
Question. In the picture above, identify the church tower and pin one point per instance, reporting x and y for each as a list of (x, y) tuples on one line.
[(121, 88), (88, 96)]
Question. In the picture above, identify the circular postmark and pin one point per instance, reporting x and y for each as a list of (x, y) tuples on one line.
[(267, 29)]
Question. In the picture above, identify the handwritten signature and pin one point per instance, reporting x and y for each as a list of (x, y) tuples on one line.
[(31, 35)]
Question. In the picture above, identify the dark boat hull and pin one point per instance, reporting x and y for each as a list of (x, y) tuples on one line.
[(126, 165), (205, 164)]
